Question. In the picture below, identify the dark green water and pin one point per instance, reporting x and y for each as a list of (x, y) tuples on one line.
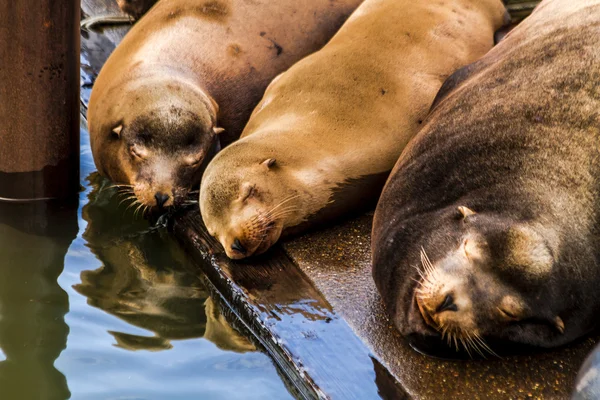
[(96, 304)]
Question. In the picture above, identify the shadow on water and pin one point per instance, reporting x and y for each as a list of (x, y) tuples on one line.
[(144, 281), (34, 238)]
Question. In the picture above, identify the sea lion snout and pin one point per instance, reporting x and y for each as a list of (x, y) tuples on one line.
[(444, 293)]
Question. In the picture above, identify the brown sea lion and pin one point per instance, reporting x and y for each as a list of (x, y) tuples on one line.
[(487, 228), (329, 130), (186, 71)]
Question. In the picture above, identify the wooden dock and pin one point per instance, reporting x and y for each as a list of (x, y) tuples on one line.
[(311, 303)]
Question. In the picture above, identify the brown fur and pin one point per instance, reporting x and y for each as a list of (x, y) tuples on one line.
[(337, 121), (186, 67), (514, 137)]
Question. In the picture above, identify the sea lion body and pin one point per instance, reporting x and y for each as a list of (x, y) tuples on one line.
[(334, 124), (187, 70), (488, 225)]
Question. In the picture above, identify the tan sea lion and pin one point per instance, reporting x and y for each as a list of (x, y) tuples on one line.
[(329, 130), (488, 227), (186, 71)]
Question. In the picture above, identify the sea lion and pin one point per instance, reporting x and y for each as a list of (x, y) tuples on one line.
[(186, 71), (487, 228), (328, 131)]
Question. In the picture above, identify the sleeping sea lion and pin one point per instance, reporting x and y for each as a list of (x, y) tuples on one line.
[(487, 229), (329, 130), (185, 72)]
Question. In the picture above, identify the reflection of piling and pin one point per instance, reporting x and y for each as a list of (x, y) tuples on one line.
[(39, 99)]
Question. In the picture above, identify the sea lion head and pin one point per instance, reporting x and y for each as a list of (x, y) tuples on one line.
[(489, 281), (247, 200), (159, 137)]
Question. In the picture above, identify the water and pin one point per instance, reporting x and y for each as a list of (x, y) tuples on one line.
[(96, 304)]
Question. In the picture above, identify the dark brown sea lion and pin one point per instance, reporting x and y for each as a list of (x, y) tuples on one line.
[(329, 130), (188, 70), (487, 228)]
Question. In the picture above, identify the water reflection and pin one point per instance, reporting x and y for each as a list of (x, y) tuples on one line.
[(34, 238), (143, 280)]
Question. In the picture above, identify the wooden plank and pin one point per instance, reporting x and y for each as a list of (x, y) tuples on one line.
[(310, 342)]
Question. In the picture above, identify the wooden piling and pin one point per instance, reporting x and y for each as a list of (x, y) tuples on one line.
[(39, 99)]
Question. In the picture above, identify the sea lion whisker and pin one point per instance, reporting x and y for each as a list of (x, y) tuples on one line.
[(126, 199), (485, 345), (272, 213), (465, 343), (290, 198), (137, 209), (133, 203), (474, 344), (280, 213)]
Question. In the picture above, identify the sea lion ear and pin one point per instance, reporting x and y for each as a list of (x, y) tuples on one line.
[(559, 324), (218, 130), (116, 132), (465, 211), (269, 162)]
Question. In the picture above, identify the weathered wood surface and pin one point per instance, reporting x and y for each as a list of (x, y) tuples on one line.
[(312, 344)]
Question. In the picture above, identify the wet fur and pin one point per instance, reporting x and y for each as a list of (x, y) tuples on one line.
[(337, 121), (514, 137)]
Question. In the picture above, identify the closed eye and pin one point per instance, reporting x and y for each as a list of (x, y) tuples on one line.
[(508, 315), (136, 153), (249, 192), (194, 161)]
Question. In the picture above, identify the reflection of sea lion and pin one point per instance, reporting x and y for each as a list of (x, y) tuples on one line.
[(488, 225), (220, 332), (186, 66), (328, 131), (144, 281), (134, 285)]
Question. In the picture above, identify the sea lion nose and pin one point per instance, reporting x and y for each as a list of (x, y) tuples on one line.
[(447, 305), (237, 246), (161, 199)]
